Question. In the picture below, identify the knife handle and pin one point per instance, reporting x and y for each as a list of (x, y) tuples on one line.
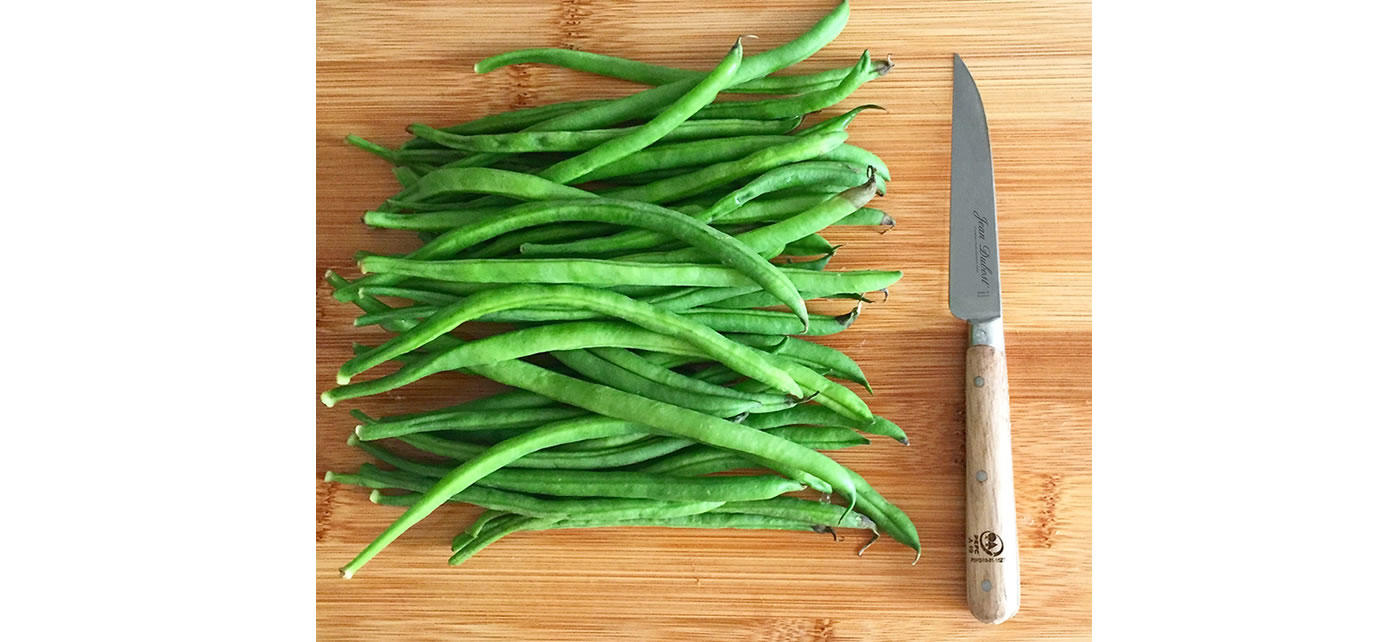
[(993, 559)]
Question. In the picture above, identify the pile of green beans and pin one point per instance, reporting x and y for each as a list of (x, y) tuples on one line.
[(652, 257)]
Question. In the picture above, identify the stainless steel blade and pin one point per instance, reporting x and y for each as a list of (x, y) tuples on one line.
[(974, 273)]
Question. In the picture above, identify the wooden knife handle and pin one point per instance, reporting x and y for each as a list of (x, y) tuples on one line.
[(993, 560)]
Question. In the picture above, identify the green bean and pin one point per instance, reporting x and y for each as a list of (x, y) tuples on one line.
[(772, 210), (816, 355), (406, 176), (593, 367), (596, 272), (653, 510), (649, 74), (462, 420), (637, 485), (840, 122), (401, 462), (624, 455), (510, 243), (409, 159), (811, 101), (498, 529), (472, 531), (569, 336), (768, 322), (606, 272), (810, 245), (699, 181), (510, 121), (479, 495), (817, 415), (507, 345), (716, 244), (428, 221), (798, 174), (797, 509), (498, 499), (685, 298), (816, 265), (508, 400), (665, 161), (830, 358), (672, 116), (703, 339), (575, 141), (602, 443), (656, 98), (628, 360), (702, 428), (485, 180), (678, 158), (787, 232)]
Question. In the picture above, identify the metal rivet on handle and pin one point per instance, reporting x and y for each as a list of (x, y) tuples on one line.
[(981, 475), (977, 381), (986, 585)]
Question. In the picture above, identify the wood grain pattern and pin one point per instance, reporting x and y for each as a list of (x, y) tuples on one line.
[(381, 66), (993, 549)]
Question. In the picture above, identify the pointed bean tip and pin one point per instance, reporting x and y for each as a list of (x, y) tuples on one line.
[(329, 476), (374, 495)]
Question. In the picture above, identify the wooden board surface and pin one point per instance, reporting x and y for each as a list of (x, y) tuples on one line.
[(382, 65)]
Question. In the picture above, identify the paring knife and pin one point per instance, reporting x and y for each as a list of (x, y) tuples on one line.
[(974, 295)]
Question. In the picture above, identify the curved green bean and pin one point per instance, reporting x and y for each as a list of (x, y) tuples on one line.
[(741, 358), (672, 116), (715, 243), (821, 416), (802, 174), (656, 98), (649, 74), (864, 71), (784, 233), (628, 360), (800, 148), (602, 371), (705, 429), (839, 122), (810, 245)]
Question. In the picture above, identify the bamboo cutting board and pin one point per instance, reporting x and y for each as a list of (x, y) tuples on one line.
[(381, 66)]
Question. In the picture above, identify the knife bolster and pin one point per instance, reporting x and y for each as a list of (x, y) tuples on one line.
[(987, 333)]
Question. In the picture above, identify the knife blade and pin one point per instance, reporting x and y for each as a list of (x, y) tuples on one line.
[(974, 295)]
